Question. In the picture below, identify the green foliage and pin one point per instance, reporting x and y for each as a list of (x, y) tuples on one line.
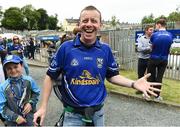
[(32, 16), (114, 22), (52, 21), (43, 20), (148, 19), (174, 16), (175, 51), (13, 19), (28, 18)]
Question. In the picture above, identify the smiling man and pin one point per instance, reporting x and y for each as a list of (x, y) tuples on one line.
[(85, 63)]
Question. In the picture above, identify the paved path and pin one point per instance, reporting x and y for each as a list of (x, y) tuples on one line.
[(120, 110)]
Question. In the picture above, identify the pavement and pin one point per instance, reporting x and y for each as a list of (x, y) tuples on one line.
[(36, 63)]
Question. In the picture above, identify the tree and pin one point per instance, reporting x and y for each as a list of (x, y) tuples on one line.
[(114, 22), (1, 12), (43, 20), (174, 16), (148, 19), (32, 16), (52, 22), (14, 19)]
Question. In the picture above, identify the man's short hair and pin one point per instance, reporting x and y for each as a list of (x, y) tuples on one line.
[(90, 8), (161, 21)]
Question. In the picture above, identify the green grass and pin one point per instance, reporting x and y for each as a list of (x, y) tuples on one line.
[(170, 88)]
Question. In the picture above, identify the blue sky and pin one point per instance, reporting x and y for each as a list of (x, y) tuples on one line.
[(125, 10)]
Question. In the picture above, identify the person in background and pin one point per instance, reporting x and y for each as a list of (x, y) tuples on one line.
[(3, 53), (144, 49), (31, 48), (76, 30), (18, 94), (161, 42), (17, 49), (85, 63)]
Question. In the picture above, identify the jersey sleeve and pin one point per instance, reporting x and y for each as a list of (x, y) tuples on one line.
[(113, 68), (56, 65)]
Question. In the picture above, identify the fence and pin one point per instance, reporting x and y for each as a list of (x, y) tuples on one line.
[(122, 43)]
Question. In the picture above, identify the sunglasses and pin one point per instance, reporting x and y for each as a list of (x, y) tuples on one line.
[(15, 38)]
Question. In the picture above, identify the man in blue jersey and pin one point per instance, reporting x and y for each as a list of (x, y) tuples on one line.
[(85, 62), (161, 42)]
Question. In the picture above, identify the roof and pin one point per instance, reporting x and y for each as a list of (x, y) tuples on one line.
[(72, 20)]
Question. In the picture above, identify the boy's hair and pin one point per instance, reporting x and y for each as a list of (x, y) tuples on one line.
[(91, 8), (162, 22), (12, 59), (148, 26)]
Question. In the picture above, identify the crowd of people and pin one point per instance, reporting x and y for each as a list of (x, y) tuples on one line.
[(82, 64)]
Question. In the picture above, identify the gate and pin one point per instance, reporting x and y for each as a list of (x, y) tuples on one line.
[(122, 43)]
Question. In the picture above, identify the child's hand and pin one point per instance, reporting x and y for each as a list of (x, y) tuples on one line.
[(27, 108), (20, 120)]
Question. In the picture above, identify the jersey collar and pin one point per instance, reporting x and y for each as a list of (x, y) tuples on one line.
[(77, 42)]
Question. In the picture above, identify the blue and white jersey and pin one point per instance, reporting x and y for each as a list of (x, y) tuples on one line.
[(13, 50), (2, 48), (84, 71), (161, 43)]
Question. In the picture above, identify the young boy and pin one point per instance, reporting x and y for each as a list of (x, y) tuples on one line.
[(18, 94)]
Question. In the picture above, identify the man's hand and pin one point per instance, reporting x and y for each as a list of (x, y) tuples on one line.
[(39, 114), (146, 87)]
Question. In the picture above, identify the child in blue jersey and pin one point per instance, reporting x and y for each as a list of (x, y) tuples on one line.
[(18, 94), (85, 63), (17, 49)]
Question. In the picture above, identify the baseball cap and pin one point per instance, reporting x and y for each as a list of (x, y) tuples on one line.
[(12, 59)]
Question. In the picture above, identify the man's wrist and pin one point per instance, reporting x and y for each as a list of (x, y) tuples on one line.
[(132, 85)]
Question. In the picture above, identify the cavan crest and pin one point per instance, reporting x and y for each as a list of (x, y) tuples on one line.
[(99, 62)]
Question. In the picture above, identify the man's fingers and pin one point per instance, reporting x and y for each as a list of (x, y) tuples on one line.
[(34, 120), (145, 93), (155, 84), (155, 89), (152, 93), (147, 75)]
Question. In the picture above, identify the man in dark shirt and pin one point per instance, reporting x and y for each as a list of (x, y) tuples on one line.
[(161, 42)]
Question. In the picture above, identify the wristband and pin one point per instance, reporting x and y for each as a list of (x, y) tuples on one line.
[(132, 85), (17, 119)]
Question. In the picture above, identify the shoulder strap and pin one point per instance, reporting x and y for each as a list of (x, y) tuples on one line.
[(56, 85)]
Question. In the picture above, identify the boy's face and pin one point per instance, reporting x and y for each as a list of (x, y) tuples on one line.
[(14, 70), (150, 31), (89, 24)]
